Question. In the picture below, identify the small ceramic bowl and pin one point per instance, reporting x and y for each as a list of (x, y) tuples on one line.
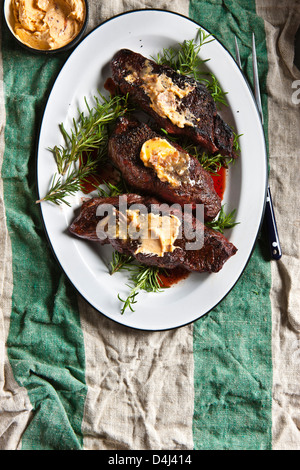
[(9, 18)]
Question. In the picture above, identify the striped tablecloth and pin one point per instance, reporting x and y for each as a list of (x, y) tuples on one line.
[(71, 378)]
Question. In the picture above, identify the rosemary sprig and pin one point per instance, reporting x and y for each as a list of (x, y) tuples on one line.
[(111, 190), (119, 262), (211, 163), (215, 89), (223, 221), (88, 138), (63, 187), (89, 131), (236, 144), (185, 60), (185, 57), (142, 278)]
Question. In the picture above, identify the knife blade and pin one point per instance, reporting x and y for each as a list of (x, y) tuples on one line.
[(273, 237)]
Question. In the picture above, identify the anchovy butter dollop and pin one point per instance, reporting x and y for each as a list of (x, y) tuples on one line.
[(170, 164)]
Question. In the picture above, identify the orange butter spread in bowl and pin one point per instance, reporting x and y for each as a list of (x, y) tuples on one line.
[(48, 24)]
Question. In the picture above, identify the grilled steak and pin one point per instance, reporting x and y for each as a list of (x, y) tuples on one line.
[(85, 225), (195, 186), (216, 249), (177, 103)]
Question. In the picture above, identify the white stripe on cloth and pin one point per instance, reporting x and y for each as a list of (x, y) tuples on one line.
[(281, 24), (140, 384), (101, 11)]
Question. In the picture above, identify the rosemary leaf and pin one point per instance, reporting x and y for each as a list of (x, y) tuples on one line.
[(184, 58), (211, 163), (119, 262), (62, 187), (142, 278), (236, 145), (89, 131), (89, 138), (223, 221), (111, 190), (216, 91)]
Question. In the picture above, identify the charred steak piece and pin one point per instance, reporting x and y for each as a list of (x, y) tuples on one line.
[(154, 165), (166, 250), (177, 103), (85, 225)]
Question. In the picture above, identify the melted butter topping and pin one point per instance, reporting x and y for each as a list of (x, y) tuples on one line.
[(170, 164), (165, 96), (157, 233)]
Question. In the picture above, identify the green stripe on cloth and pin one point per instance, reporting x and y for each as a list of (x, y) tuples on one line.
[(232, 344), (45, 343)]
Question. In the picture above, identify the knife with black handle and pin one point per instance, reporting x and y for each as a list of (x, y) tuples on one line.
[(274, 243)]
